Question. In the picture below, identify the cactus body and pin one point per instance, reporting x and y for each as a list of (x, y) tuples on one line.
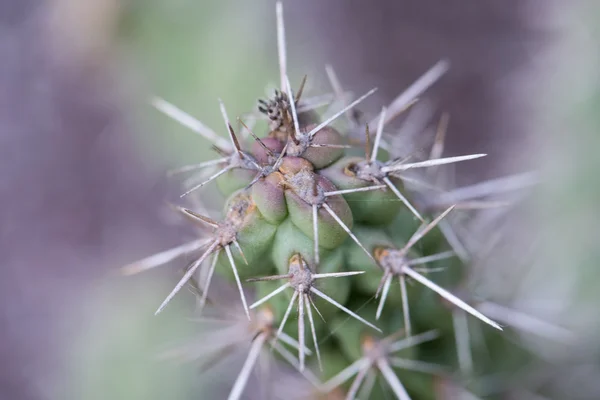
[(336, 238)]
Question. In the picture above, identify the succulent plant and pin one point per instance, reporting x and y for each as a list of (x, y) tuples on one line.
[(313, 200)]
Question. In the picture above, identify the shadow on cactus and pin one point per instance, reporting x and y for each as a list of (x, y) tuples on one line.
[(304, 204)]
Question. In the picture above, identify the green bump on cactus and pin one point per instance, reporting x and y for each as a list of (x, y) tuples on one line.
[(253, 234), (307, 189), (370, 207), (290, 240), (270, 199), (234, 180), (325, 147)]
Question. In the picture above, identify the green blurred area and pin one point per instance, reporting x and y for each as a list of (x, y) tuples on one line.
[(191, 53)]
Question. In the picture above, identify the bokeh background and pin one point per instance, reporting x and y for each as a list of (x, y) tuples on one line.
[(83, 155)]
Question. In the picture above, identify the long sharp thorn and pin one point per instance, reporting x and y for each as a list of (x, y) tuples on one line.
[(411, 341), (392, 379), (265, 375), (332, 146), (416, 122), (389, 183), (292, 106), (337, 274), (211, 361), (382, 283), (405, 307), (430, 270), (416, 89), (285, 338), (193, 167), (334, 81), (246, 129), (222, 152), (367, 145), (315, 233), (257, 139), (208, 280), (454, 241), (315, 102), (232, 137), (355, 190), (360, 377), (527, 323), (339, 92), (423, 230), (449, 296), (289, 357), (237, 245), (438, 145), (417, 182), (341, 307), (378, 134), (434, 257), (416, 365), (269, 278), (188, 121), (315, 188), (336, 115), (280, 158), (270, 295), (162, 258), (316, 309), (486, 188), (212, 178), (187, 276), (281, 43), (482, 204), (301, 340), (386, 289), (344, 227), (463, 342), (367, 388), (242, 379), (299, 94), (237, 280), (345, 374), (286, 315), (431, 163), (196, 216), (313, 330), (256, 178)]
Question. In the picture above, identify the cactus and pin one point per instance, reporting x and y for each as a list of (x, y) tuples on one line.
[(309, 202)]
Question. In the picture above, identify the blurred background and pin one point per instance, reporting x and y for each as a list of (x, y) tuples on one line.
[(83, 155)]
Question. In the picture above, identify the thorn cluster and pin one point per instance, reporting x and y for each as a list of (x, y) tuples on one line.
[(285, 179)]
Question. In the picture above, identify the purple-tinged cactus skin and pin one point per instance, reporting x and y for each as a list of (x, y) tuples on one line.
[(312, 228)]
